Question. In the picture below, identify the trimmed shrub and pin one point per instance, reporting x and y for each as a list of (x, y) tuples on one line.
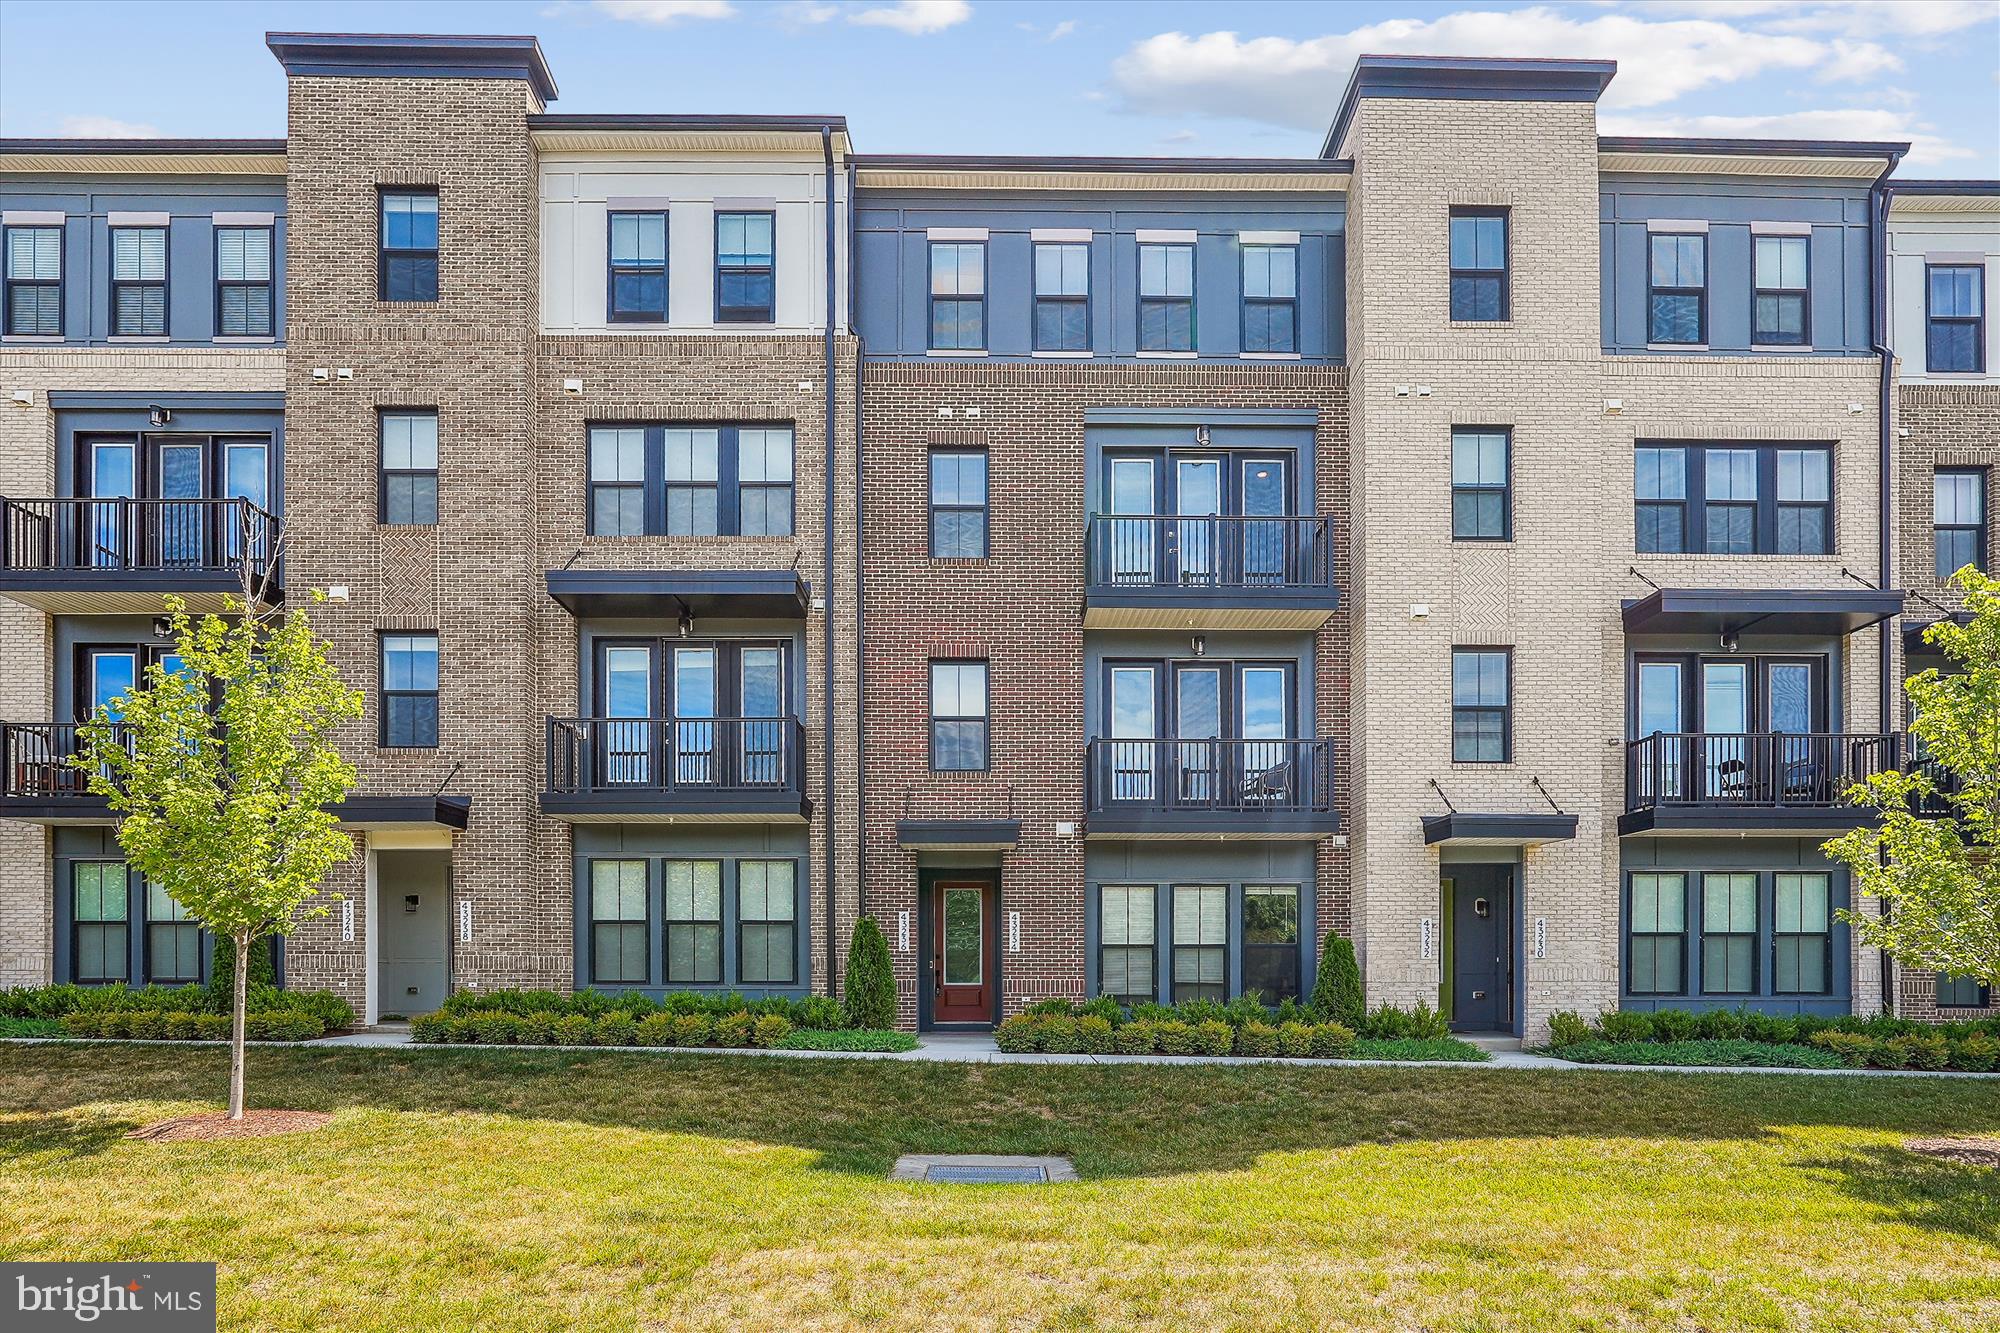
[(222, 966), (1176, 1038), (1720, 1025), (1625, 1025), (770, 1030), (732, 1030), (1894, 1053), (1755, 1054), (692, 1029), (1018, 1035), (211, 1027), (656, 1030), (493, 1029), (1094, 1035), (1256, 1039), (1332, 1041), (1141, 1036), (1567, 1028), (183, 1026), (1413, 1048), (1059, 1035), (1295, 1040), (80, 1023), (1337, 987), (617, 1028), (819, 1013), (871, 982), (1776, 1029), (1212, 1036), (575, 1030), (1055, 1006), (1853, 1048), (1105, 1007), (537, 1029), (1975, 1053), (847, 1039), (1928, 1051), (430, 1027), (1678, 1025)]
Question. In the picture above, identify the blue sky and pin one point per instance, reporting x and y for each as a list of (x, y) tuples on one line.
[(1058, 76)]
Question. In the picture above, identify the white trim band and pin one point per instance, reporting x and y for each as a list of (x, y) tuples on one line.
[(245, 219), (1680, 226), (955, 233), (1267, 238), (1156, 236), (1781, 229), (137, 219), (1071, 234), (19, 217)]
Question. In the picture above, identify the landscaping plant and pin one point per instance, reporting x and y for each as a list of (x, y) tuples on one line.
[(871, 982)]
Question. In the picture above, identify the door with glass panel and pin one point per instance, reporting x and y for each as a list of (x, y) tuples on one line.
[(1268, 772), (105, 530), (246, 476), (1131, 500), (761, 705), (1133, 749), (694, 716), (963, 957), (1201, 771), (628, 736), (177, 538), (1266, 499), (1197, 504), (1725, 725), (1801, 766), (1662, 718)]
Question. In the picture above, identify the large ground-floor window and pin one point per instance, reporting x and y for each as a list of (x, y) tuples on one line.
[(1173, 942), (1731, 934), (691, 921), (123, 929)]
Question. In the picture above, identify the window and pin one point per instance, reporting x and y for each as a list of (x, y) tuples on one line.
[(1481, 499), (1802, 935), (100, 906), (745, 268), (409, 467), (694, 482), (1481, 723), (1270, 298), (139, 282), (617, 481), (958, 717), (1961, 993), (1062, 296), (1271, 941), (1958, 513), (958, 296), (694, 922), (1758, 500), (1678, 299), (1728, 934), (408, 265), (638, 261), (1780, 298), (767, 922), (618, 933), (34, 281), (410, 690), (1201, 942), (1955, 314), (243, 282), (690, 481), (1125, 935), (1656, 962), (1166, 298), (958, 504), (173, 940), (764, 482), (1479, 264)]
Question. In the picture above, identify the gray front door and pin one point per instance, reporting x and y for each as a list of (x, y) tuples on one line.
[(1482, 948), (413, 923)]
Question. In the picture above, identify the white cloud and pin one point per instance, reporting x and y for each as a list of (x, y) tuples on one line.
[(662, 13), (104, 127), (1927, 150), (1888, 18), (915, 17), (1853, 62), (806, 13), (1062, 30)]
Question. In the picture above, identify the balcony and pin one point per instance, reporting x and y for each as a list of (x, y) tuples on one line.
[(37, 781), (721, 770), (1162, 571), (1210, 789), (122, 556), (1779, 782)]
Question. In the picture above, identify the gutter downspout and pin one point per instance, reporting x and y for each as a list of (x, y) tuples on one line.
[(1879, 195), (860, 566), (826, 696)]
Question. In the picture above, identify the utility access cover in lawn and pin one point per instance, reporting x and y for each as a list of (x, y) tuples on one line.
[(981, 1169)]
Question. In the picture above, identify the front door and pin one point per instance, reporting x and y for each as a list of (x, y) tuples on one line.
[(963, 957), (412, 931), (1482, 948)]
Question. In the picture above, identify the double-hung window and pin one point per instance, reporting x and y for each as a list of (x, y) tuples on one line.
[(1958, 517), (34, 281), (409, 467), (1729, 508), (1728, 934), (690, 481), (1479, 265), (410, 690), (408, 264), (100, 919), (1961, 993), (617, 481), (958, 717), (1481, 496), (764, 482), (1801, 934), (1955, 318), (1166, 298), (1660, 484), (767, 911), (1656, 932), (619, 937), (1062, 296), (1481, 706), (745, 268), (1780, 299), (1126, 930), (1753, 499), (139, 282), (958, 296), (958, 504), (243, 282), (1677, 305), (693, 897), (1201, 942), (173, 940), (1805, 501), (638, 262), (1271, 941), (1270, 298)]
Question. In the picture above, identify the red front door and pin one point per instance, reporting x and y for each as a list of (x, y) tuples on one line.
[(962, 953)]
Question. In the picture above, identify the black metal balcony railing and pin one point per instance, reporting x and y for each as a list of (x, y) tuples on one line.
[(698, 756), (1259, 777), (136, 536), (1763, 769), (35, 759), (1209, 552)]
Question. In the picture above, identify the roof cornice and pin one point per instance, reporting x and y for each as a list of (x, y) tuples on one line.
[(1458, 78), (1234, 175), (128, 157), (413, 55)]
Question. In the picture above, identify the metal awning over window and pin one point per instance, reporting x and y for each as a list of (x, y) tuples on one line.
[(1722, 612), (403, 812), (1471, 829), (937, 835), (749, 593)]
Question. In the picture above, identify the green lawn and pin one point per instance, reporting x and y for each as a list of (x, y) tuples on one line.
[(551, 1190)]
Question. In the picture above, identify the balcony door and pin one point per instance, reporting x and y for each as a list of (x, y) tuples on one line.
[(1752, 724), (183, 473), (1132, 490), (1134, 723), (761, 689), (1266, 492), (696, 713), (1200, 733), (1197, 503), (628, 740)]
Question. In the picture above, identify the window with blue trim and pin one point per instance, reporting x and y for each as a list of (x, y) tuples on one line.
[(243, 306), (100, 923), (1656, 934), (1677, 295), (1479, 268), (1270, 298), (1961, 993), (619, 931), (1781, 294), (1955, 318), (745, 268), (1062, 296), (1271, 941), (1126, 932), (408, 262), (139, 282), (1166, 298), (638, 267), (958, 296), (767, 923), (34, 281), (410, 691), (693, 896)]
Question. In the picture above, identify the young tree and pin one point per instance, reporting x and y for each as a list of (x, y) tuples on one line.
[(1935, 857), (222, 771)]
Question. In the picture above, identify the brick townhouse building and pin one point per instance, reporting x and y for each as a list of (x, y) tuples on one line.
[(1486, 539)]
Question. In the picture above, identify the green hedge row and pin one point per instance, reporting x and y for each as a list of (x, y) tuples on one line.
[(1386, 1023), (617, 1028), (1744, 1037), (183, 1025), (1093, 1034), (1755, 1054), (331, 1012), (816, 1012)]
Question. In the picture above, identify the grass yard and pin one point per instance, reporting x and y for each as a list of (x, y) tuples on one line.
[(532, 1189)]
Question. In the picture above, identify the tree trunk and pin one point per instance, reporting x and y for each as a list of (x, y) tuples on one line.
[(237, 1006)]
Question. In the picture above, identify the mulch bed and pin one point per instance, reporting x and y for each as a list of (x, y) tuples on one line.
[(218, 1125), (1966, 1152)]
